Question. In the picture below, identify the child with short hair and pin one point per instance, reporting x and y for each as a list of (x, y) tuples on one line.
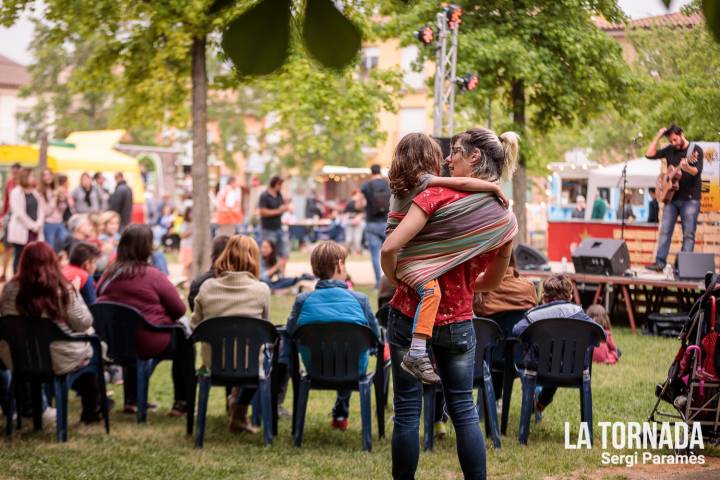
[(557, 303), (331, 301), (415, 167), (80, 269), (607, 351)]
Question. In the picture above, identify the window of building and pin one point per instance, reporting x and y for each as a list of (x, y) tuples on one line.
[(369, 59), (412, 120), (414, 79)]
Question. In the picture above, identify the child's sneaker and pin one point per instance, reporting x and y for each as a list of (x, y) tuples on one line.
[(340, 423), (420, 367)]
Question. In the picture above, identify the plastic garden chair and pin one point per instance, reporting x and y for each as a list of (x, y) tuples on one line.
[(563, 349), (488, 334), (242, 353), (335, 350), (504, 356), (29, 340), (382, 382), (117, 325)]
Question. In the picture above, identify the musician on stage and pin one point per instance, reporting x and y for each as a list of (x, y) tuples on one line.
[(685, 202)]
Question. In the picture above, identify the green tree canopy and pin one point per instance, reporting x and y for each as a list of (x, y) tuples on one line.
[(544, 61)]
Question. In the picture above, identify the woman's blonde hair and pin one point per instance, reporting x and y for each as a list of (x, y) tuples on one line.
[(599, 315), (498, 157), (415, 155), (240, 255)]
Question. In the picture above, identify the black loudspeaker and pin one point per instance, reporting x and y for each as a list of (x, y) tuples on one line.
[(444, 143), (694, 266), (601, 256), (527, 258)]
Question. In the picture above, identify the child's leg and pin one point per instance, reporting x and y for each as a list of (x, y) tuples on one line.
[(417, 361), (425, 315)]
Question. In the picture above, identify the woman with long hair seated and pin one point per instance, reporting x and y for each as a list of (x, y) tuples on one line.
[(235, 291), (131, 280), (39, 289)]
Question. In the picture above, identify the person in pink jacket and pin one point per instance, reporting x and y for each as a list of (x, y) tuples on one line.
[(607, 351)]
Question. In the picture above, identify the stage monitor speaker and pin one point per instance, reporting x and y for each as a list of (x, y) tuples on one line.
[(601, 256), (527, 258), (694, 266)]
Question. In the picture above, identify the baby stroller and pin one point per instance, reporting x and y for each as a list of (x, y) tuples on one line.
[(692, 386)]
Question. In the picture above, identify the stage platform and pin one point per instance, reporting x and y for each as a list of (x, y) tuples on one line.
[(642, 293)]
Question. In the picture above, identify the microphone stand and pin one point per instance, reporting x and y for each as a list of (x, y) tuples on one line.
[(623, 178)]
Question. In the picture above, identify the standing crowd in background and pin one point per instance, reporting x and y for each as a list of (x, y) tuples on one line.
[(39, 206)]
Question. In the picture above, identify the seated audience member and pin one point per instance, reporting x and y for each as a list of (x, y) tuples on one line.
[(557, 303), (130, 280), (514, 293), (218, 246), (332, 301), (81, 230), (270, 271), (607, 351), (235, 291), (80, 270), (108, 237), (40, 290)]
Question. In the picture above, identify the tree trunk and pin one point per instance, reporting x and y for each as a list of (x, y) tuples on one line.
[(201, 200), (43, 154), (520, 178)]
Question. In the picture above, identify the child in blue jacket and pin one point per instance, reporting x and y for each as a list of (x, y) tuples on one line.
[(332, 301)]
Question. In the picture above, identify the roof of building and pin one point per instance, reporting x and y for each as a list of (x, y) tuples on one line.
[(675, 20), (12, 74)]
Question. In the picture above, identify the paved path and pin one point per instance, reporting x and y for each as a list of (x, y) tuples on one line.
[(360, 271)]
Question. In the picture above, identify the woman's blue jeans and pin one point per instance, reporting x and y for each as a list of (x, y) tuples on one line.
[(453, 348)]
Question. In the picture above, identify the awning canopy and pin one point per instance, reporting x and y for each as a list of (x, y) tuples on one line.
[(641, 173), (90, 151)]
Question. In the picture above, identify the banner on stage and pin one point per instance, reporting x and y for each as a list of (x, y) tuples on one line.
[(710, 177)]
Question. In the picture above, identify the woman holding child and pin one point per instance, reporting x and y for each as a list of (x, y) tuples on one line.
[(463, 241)]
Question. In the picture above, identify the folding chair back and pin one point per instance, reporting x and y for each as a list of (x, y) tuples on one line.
[(236, 344), (118, 325), (334, 351), (563, 347), (488, 334), (29, 340)]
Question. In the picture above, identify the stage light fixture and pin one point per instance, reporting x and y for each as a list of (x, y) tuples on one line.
[(454, 14), (468, 82), (425, 35)]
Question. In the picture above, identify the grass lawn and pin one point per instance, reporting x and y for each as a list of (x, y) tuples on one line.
[(160, 449)]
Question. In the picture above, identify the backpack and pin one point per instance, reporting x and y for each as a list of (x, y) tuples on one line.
[(378, 198)]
